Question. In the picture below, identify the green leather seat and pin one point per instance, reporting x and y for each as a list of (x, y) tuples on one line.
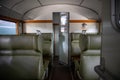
[(90, 57), (47, 44), (75, 49), (47, 51), (21, 58)]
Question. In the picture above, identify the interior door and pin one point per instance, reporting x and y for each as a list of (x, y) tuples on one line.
[(61, 34), (56, 29)]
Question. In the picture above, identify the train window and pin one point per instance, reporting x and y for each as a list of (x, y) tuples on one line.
[(7, 28), (115, 10), (64, 21)]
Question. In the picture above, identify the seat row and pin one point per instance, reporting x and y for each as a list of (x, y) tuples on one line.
[(88, 55), (28, 56), (21, 57)]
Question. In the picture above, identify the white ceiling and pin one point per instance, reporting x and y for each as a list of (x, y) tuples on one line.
[(32, 8)]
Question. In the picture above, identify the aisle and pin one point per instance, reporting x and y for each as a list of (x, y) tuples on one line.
[(61, 72)]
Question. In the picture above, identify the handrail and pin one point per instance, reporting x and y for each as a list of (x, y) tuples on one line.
[(103, 73)]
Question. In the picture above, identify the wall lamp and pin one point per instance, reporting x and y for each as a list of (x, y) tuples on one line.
[(84, 28)]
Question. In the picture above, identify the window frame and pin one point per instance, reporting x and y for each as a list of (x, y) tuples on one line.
[(9, 19), (115, 14)]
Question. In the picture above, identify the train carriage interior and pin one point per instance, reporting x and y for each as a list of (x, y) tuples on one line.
[(59, 39)]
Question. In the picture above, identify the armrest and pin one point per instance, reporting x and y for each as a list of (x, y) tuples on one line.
[(77, 65), (76, 62), (103, 73), (46, 63)]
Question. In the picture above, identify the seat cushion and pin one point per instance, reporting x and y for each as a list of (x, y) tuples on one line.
[(91, 53), (21, 67), (87, 64)]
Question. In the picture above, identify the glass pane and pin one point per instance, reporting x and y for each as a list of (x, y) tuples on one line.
[(7, 28), (63, 20)]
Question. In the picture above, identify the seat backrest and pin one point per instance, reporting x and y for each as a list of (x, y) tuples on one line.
[(47, 36), (75, 36), (94, 42), (83, 41), (90, 58), (22, 42), (20, 58)]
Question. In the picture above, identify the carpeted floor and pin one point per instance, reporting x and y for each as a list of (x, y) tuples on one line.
[(61, 72)]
